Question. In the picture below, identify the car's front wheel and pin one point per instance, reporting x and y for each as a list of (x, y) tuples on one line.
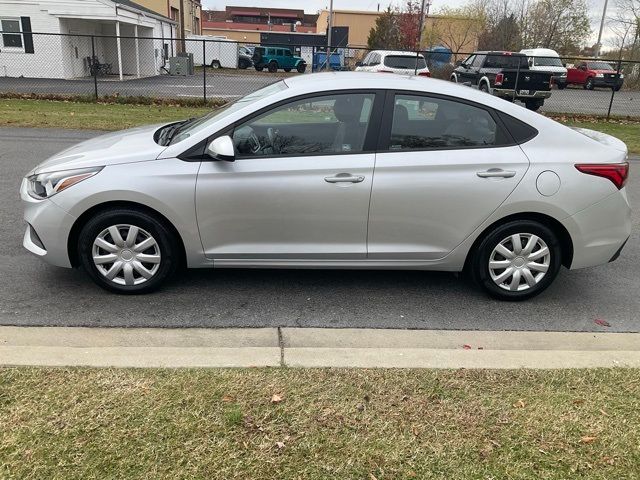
[(589, 85), (127, 251), (517, 260)]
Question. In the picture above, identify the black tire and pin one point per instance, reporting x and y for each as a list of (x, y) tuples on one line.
[(479, 264), (533, 105), (259, 68), (243, 64), (454, 78), (617, 88), (588, 85), (484, 87), (561, 86), (215, 64), (166, 243), (301, 67), (272, 66), (287, 70)]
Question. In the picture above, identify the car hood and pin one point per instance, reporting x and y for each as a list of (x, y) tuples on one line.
[(603, 138), (127, 146)]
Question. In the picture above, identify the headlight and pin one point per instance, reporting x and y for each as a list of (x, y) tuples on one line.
[(622, 75), (600, 75), (45, 185)]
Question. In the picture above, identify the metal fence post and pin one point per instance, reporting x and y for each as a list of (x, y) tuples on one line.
[(515, 88), (204, 71), (415, 71), (92, 69), (613, 89)]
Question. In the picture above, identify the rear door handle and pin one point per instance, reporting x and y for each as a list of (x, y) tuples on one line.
[(346, 178), (496, 173)]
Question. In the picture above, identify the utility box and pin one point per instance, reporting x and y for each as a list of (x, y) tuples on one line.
[(180, 66)]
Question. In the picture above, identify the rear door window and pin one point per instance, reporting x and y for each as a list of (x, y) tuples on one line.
[(421, 122)]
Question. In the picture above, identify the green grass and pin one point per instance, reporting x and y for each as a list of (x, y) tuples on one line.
[(82, 115), (331, 423)]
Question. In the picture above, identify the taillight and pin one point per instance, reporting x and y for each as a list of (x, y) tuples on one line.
[(499, 79), (616, 172), (424, 74)]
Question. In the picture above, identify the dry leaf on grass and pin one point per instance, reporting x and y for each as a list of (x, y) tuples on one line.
[(588, 439), (519, 404), (277, 398)]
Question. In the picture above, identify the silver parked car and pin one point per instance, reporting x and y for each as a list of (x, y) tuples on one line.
[(337, 170)]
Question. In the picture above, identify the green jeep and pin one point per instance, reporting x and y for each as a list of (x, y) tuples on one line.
[(275, 57)]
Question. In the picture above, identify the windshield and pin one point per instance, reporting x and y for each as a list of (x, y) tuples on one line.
[(188, 128), (497, 60), (600, 66), (548, 62), (404, 61)]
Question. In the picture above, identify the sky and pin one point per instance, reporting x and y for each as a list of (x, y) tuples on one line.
[(312, 6)]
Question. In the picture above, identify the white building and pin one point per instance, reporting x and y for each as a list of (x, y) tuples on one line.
[(26, 50)]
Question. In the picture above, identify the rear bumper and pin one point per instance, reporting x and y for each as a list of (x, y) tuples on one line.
[(509, 93), (600, 231)]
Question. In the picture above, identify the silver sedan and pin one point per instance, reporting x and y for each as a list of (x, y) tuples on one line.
[(337, 170)]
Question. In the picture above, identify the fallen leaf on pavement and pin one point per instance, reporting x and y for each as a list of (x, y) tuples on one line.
[(466, 347), (601, 322)]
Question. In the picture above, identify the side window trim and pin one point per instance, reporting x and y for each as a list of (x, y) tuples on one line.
[(384, 139), (371, 135)]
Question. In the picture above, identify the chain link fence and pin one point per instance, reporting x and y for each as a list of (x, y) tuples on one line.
[(207, 69)]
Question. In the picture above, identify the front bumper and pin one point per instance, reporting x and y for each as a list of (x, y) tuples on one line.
[(48, 228), (607, 82), (600, 231), (509, 93)]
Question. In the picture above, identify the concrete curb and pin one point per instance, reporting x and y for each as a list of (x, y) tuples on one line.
[(299, 347)]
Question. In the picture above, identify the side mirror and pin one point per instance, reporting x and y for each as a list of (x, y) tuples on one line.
[(459, 63), (565, 65), (531, 62), (221, 149), (359, 64)]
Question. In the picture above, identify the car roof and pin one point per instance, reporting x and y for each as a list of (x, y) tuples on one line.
[(396, 52), (540, 51), (498, 52)]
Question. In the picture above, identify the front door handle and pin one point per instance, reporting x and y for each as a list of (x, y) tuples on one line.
[(496, 173), (346, 178)]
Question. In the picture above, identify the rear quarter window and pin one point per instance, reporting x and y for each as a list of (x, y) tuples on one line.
[(520, 131)]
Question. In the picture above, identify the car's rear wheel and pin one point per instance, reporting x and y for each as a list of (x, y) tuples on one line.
[(272, 67), (287, 70), (454, 78), (301, 67), (215, 64), (484, 87), (259, 68), (561, 86), (517, 260), (127, 251)]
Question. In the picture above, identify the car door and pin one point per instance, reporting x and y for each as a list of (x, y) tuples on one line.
[(464, 72), (300, 185), (443, 166)]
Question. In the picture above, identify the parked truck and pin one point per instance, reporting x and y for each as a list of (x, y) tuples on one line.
[(595, 73), (505, 75)]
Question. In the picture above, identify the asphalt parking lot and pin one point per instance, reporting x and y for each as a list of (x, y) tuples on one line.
[(33, 293), (221, 84)]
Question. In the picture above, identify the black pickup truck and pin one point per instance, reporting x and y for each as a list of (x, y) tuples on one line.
[(505, 75)]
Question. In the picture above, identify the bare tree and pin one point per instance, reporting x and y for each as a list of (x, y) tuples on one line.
[(455, 28)]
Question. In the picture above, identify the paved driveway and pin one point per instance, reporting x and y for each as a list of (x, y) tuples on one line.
[(32, 293)]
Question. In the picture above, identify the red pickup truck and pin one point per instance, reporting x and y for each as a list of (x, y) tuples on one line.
[(591, 74)]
